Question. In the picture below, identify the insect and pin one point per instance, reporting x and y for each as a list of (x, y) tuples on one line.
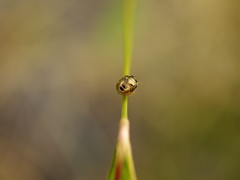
[(127, 85)]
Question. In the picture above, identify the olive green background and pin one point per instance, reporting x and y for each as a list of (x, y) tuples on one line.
[(59, 111)]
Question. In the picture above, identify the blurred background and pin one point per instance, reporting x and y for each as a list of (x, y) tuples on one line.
[(59, 111)]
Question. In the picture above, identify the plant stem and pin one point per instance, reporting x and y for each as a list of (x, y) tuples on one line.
[(125, 108), (128, 19), (123, 166)]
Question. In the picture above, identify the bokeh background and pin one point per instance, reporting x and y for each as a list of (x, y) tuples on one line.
[(59, 111)]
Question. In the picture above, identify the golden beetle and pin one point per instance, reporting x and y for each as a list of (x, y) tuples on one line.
[(127, 85)]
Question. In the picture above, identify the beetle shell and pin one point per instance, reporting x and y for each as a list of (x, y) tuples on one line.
[(127, 85)]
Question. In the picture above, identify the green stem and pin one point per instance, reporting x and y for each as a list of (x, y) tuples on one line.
[(125, 107), (128, 19), (123, 153)]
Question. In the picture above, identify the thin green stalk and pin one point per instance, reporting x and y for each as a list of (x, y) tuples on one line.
[(128, 19), (123, 166), (129, 7), (125, 107)]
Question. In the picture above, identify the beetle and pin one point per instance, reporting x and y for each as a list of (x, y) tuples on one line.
[(127, 85)]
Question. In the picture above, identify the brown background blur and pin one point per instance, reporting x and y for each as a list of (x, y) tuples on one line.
[(59, 111)]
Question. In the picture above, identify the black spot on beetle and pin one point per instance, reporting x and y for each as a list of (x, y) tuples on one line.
[(121, 88)]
